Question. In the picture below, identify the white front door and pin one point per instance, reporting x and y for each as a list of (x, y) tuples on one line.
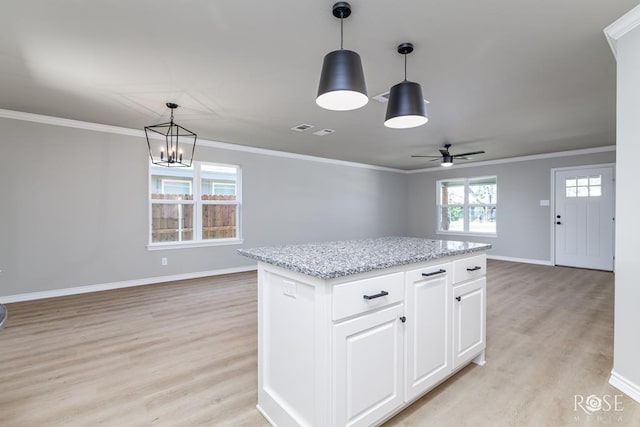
[(584, 218)]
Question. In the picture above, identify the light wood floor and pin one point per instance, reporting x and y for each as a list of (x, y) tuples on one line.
[(184, 354)]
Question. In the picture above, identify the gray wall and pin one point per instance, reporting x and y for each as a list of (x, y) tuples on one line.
[(524, 227), (74, 209), (626, 352)]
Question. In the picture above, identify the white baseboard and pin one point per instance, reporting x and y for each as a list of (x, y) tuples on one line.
[(624, 385), (125, 284), (524, 260)]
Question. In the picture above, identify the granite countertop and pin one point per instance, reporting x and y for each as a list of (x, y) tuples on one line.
[(328, 260)]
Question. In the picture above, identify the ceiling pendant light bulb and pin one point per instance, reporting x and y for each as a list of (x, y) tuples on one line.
[(406, 107), (342, 86)]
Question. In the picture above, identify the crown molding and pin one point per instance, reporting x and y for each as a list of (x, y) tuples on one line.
[(76, 124), (620, 27), (97, 127), (520, 159)]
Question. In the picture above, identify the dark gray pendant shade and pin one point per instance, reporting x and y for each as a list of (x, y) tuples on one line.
[(406, 107), (342, 86)]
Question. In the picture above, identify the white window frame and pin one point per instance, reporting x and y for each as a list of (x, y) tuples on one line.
[(197, 203), (465, 208)]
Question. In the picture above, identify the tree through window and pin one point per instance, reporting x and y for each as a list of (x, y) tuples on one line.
[(467, 205)]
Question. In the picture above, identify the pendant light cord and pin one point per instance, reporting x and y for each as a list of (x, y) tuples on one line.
[(405, 67), (341, 29)]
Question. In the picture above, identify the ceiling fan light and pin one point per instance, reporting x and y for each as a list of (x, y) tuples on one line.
[(406, 107), (447, 161), (342, 86)]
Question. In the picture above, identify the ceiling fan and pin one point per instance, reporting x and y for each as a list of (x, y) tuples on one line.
[(446, 158)]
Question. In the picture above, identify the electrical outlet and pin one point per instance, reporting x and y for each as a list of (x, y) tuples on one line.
[(289, 289), (164, 261)]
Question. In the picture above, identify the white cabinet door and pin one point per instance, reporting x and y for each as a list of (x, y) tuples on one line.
[(428, 328), (368, 370), (468, 320)]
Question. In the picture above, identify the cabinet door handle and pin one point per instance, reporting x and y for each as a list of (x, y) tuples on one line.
[(403, 319), (459, 298), (476, 268), (434, 273), (381, 294)]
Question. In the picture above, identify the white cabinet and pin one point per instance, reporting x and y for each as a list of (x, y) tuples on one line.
[(428, 330), (361, 296), (368, 372), (355, 350), (469, 268), (469, 321)]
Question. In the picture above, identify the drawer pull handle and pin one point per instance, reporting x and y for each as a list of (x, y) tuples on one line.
[(459, 298), (434, 273), (476, 268), (381, 294)]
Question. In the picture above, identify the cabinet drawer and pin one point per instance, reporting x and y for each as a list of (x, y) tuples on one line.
[(349, 298), (469, 268)]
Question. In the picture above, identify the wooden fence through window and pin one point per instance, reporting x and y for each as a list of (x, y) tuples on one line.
[(174, 222)]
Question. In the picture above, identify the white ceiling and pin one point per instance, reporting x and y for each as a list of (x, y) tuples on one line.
[(509, 77)]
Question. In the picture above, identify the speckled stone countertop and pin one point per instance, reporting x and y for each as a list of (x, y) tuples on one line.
[(328, 260)]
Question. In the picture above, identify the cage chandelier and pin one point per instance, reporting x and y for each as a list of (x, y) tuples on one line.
[(176, 146)]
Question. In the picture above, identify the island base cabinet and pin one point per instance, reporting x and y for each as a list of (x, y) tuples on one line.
[(428, 330), (355, 350), (369, 361), (469, 327)]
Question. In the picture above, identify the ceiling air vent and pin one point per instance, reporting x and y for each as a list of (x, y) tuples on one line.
[(302, 127), (324, 132), (384, 97)]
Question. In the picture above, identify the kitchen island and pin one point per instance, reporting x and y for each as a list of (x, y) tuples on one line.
[(351, 332)]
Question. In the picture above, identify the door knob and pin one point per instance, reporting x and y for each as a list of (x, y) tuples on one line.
[(558, 216), (559, 223)]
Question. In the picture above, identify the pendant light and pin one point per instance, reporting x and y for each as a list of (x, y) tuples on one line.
[(178, 146), (342, 85), (406, 107)]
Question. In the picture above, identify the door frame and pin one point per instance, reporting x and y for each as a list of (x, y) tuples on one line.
[(552, 204)]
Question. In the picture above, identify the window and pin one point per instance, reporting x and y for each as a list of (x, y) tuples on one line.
[(194, 206), (467, 205), (583, 186)]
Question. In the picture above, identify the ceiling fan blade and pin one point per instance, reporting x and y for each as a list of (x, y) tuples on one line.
[(471, 153), (462, 158), (444, 152), (427, 156), (436, 160)]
